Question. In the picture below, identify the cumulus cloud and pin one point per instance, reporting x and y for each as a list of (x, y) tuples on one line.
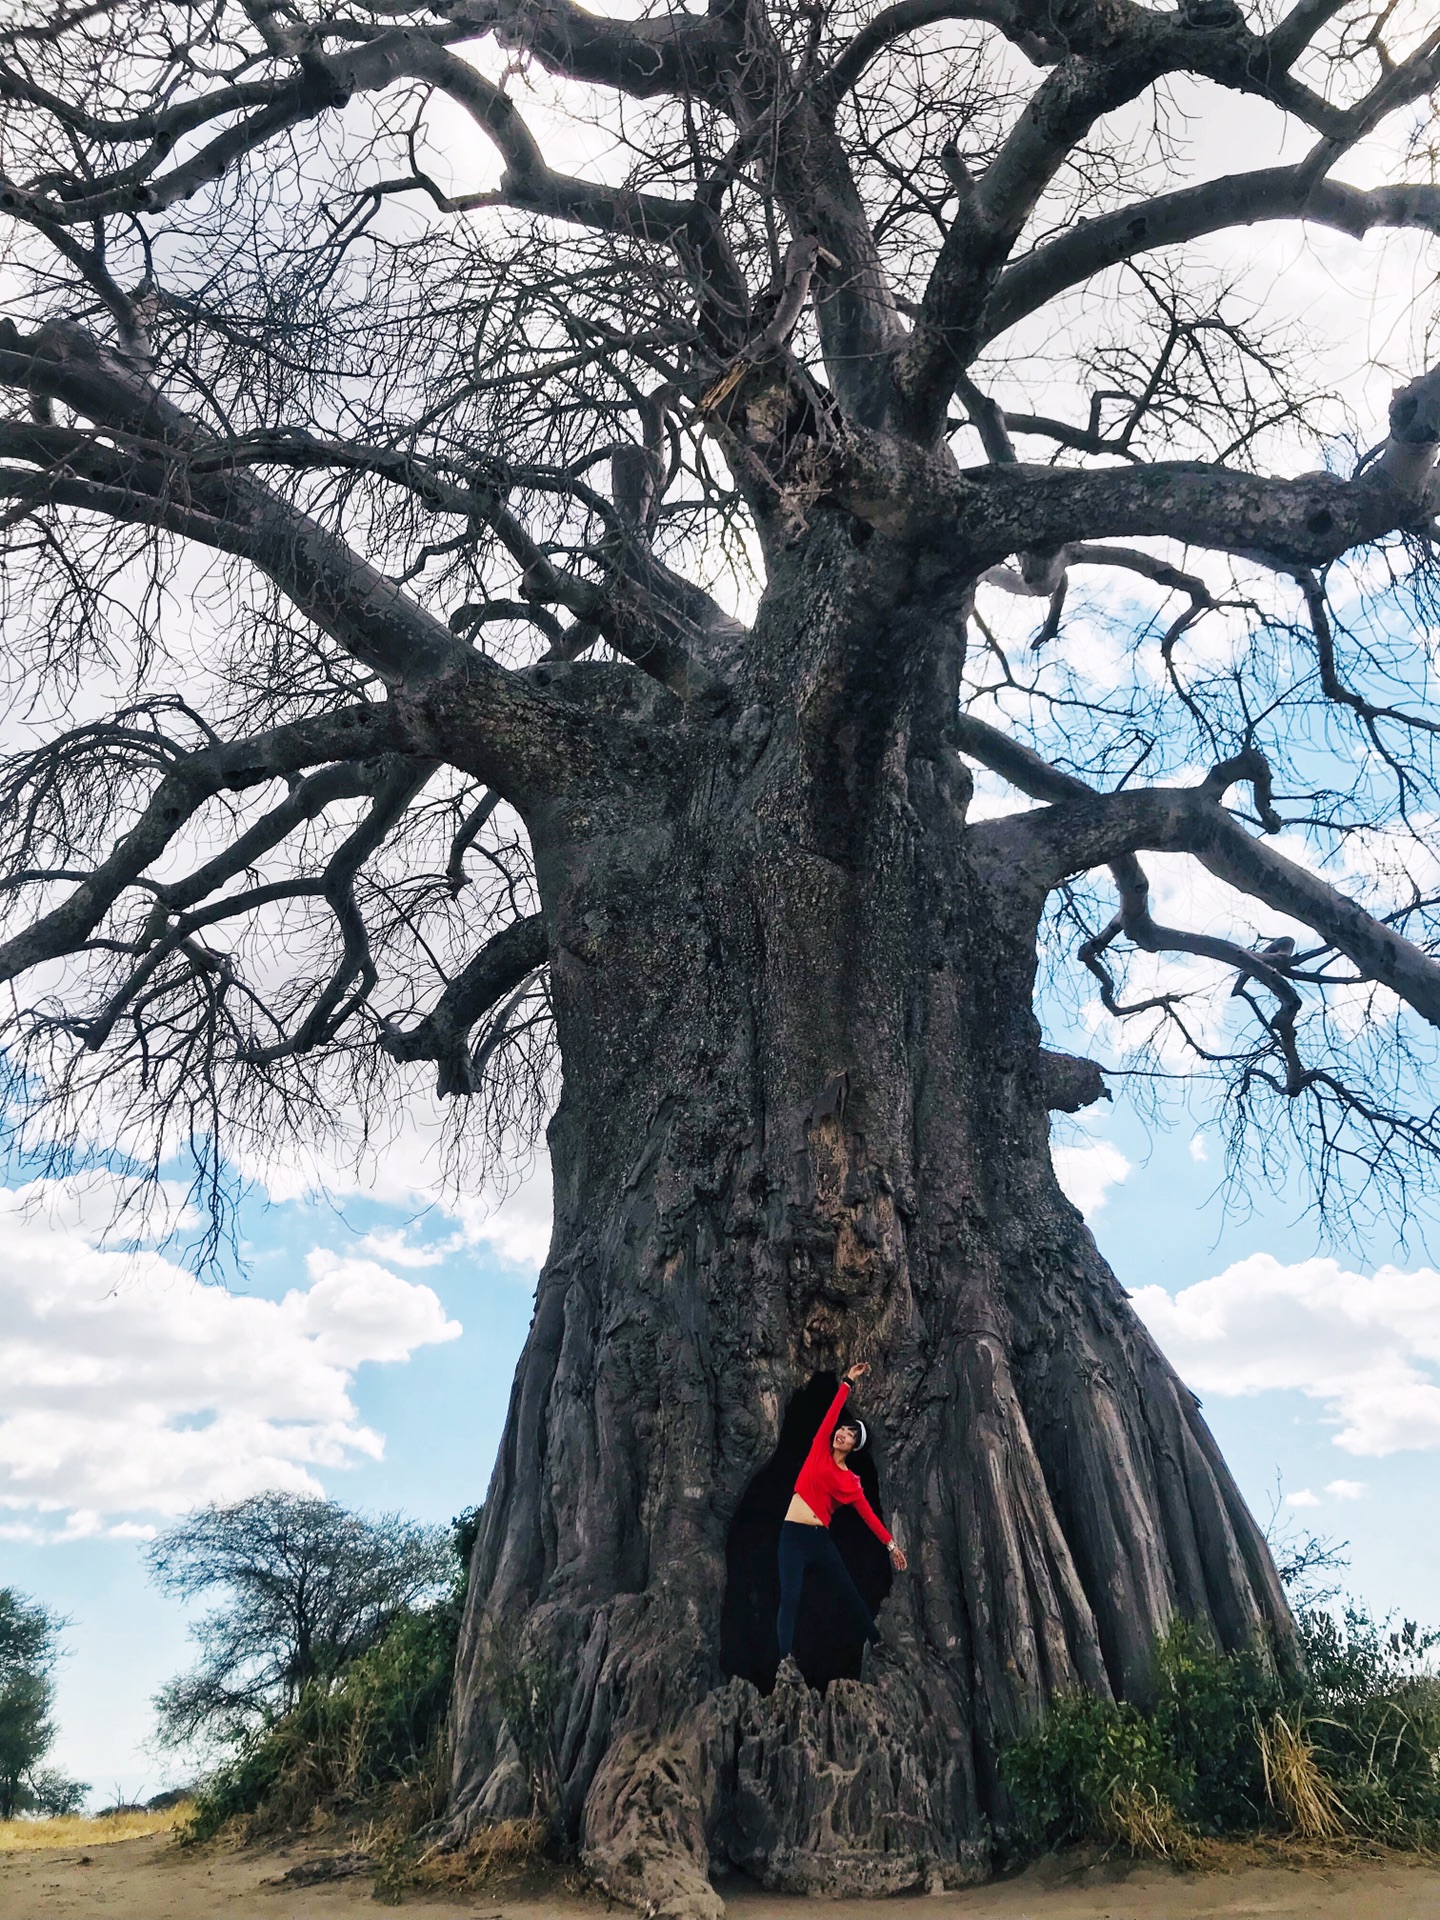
[(128, 1388), (518, 1229), (1088, 1173), (412, 1170), (1366, 1346), (1302, 1497)]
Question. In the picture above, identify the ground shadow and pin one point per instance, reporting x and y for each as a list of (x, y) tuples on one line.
[(826, 1646)]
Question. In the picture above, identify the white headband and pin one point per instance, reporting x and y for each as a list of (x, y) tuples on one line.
[(860, 1426)]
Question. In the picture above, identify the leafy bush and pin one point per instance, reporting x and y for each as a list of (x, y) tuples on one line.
[(345, 1741), (1372, 1715), (1206, 1708), (1091, 1757), (1114, 1774), (1222, 1749)]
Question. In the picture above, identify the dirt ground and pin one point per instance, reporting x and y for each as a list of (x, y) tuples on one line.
[(149, 1879)]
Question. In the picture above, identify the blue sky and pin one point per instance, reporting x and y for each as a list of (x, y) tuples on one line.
[(421, 1430)]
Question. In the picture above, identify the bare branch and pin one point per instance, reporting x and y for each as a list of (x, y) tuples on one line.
[(1052, 844), (179, 796), (499, 969), (1241, 199)]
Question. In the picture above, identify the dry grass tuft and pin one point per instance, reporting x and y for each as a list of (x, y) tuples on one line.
[(492, 1853), (1294, 1784), (1144, 1823), (508, 1851), (83, 1830)]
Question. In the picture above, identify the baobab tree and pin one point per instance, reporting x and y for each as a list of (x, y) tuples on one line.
[(517, 522)]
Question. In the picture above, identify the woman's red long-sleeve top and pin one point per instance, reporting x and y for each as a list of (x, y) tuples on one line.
[(823, 1485)]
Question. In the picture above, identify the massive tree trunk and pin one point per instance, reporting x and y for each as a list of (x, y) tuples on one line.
[(804, 1120)]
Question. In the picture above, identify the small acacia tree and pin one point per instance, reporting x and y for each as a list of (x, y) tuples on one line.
[(305, 1587), (605, 434), (28, 1635)]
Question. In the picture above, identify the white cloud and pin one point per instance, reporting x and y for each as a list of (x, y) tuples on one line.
[(1199, 1152), (1345, 1489), (128, 1388), (1088, 1173), (393, 1246), (518, 1229), (1367, 1347), (412, 1170), (1303, 1497)]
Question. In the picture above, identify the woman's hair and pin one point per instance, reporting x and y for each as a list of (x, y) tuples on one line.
[(857, 1426)]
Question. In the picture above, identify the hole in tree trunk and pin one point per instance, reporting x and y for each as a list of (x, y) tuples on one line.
[(826, 1646)]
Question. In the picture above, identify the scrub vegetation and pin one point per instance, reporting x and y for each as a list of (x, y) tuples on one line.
[(361, 1746), (326, 1665), (369, 1736), (1349, 1751)]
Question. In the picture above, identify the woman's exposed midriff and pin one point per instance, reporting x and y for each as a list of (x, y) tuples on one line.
[(800, 1513)]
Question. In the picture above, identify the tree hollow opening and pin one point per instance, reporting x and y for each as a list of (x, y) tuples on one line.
[(826, 1645)]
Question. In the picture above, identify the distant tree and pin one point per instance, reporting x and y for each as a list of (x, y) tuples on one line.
[(28, 1634), (308, 1586), (54, 1793)]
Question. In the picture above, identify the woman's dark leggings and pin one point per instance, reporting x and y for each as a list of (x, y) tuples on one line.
[(802, 1547)]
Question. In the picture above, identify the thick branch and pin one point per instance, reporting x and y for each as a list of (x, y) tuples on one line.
[(1240, 199), (676, 53), (989, 513), (1069, 1082), (501, 966), (1294, 33), (910, 16), (320, 86), (1055, 843)]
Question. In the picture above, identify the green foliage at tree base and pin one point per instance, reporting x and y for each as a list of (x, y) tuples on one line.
[(1372, 1715), (1221, 1748), (377, 1727)]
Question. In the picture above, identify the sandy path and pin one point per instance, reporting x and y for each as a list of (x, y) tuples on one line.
[(147, 1879)]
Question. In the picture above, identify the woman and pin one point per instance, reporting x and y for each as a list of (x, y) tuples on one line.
[(825, 1482)]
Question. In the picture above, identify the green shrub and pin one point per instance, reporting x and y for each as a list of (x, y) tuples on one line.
[(1206, 1708), (380, 1722), (1221, 1748), (1190, 1760), (1372, 1716), (1090, 1755)]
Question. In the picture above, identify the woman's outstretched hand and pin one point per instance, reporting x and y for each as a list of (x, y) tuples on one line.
[(857, 1372), (897, 1558)]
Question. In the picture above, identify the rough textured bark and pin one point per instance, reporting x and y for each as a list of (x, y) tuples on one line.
[(805, 1119)]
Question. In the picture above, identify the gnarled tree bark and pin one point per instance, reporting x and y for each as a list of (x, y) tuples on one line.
[(805, 1119)]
